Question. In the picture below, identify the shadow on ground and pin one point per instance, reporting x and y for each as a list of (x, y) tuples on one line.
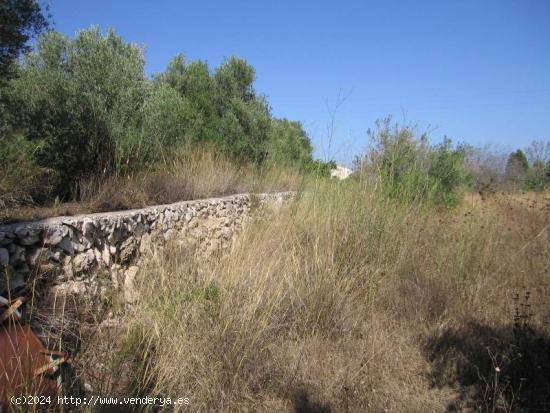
[(497, 369), (303, 404)]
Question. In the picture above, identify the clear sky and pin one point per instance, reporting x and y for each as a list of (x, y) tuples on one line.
[(477, 71)]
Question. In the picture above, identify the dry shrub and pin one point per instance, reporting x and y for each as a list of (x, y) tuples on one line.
[(348, 301)]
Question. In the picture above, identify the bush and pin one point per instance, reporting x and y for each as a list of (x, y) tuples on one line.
[(319, 168), (447, 169), (407, 168), (21, 180)]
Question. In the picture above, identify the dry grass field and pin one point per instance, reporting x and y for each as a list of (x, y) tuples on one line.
[(345, 301)]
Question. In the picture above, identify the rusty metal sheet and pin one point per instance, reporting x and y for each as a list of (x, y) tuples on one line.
[(25, 364)]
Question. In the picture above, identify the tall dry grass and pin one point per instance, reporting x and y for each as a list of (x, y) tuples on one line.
[(346, 301), (185, 175)]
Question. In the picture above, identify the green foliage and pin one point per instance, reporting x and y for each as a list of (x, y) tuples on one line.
[(21, 180), (87, 107), (447, 170), (520, 175), (244, 128), (221, 109), (319, 168), (407, 168), (77, 97), (21, 20), (194, 85), (517, 168), (234, 79), (224, 110), (538, 177), (289, 143), (164, 126)]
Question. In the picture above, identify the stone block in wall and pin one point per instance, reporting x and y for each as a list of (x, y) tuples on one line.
[(4, 257), (128, 249), (83, 262), (130, 290), (27, 236)]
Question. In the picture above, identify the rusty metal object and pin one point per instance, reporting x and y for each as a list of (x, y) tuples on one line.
[(26, 366), (12, 311)]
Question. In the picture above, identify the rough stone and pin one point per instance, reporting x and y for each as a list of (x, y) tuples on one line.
[(130, 292), (69, 288), (16, 280), (55, 235), (145, 243), (105, 255), (6, 238), (88, 227), (57, 256), (226, 233), (26, 235), (128, 249), (66, 244), (4, 257), (84, 261), (140, 229), (37, 255), (116, 234), (17, 255), (97, 255)]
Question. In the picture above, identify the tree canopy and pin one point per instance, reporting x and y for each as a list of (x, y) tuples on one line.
[(84, 107), (21, 20)]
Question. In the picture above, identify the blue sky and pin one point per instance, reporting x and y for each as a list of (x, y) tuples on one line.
[(477, 71)]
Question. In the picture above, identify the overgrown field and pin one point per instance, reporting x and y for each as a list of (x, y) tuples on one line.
[(348, 300)]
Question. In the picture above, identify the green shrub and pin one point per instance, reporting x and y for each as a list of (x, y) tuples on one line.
[(447, 169), (21, 180), (408, 168), (319, 168), (537, 177), (517, 170)]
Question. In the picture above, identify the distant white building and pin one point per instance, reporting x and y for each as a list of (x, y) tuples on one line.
[(340, 172)]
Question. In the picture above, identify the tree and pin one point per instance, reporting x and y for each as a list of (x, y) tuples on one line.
[(447, 169), (82, 108), (538, 154), (79, 100), (244, 117), (21, 20), (538, 151), (288, 143), (193, 83), (517, 168), (537, 178), (235, 79)]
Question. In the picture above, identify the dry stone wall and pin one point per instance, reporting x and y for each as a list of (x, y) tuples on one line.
[(70, 249)]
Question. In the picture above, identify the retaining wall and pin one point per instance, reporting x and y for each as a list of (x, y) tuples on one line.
[(69, 249)]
